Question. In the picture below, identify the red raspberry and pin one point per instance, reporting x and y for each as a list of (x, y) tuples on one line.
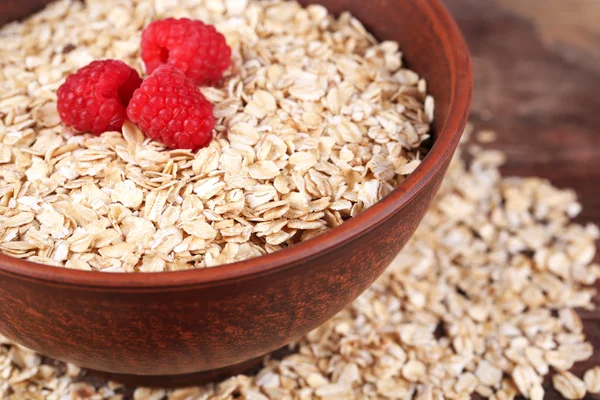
[(95, 98), (196, 49), (169, 108)]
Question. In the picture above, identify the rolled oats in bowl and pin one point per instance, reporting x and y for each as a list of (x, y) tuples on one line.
[(315, 122)]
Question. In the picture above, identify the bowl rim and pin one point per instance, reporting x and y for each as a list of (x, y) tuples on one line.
[(442, 150)]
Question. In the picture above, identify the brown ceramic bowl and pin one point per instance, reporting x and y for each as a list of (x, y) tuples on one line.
[(179, 323)]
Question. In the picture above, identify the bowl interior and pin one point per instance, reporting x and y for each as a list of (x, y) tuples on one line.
[(432, 46)]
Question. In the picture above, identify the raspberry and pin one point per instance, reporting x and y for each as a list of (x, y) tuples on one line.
[(196, 49), (169, 108), (95, 98)]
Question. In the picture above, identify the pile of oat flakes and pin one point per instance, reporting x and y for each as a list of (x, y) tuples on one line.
[(481, 301), (316, 121)]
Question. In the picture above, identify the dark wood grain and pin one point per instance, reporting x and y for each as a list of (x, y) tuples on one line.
[(17, 9), (537, 83)]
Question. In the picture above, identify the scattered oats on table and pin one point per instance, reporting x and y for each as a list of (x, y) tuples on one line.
[(316, 121), (479, 270)]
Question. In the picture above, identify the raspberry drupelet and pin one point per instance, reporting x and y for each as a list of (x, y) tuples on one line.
[(170, 109), (95, 98), (196, 49)]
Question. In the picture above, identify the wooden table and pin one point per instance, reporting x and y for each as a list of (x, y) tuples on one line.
[(537, 83)]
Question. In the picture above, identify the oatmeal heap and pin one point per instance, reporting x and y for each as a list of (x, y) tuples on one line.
[(316, 121), (480, 301)]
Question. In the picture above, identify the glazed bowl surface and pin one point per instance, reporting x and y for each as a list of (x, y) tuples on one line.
[(179, 323)]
